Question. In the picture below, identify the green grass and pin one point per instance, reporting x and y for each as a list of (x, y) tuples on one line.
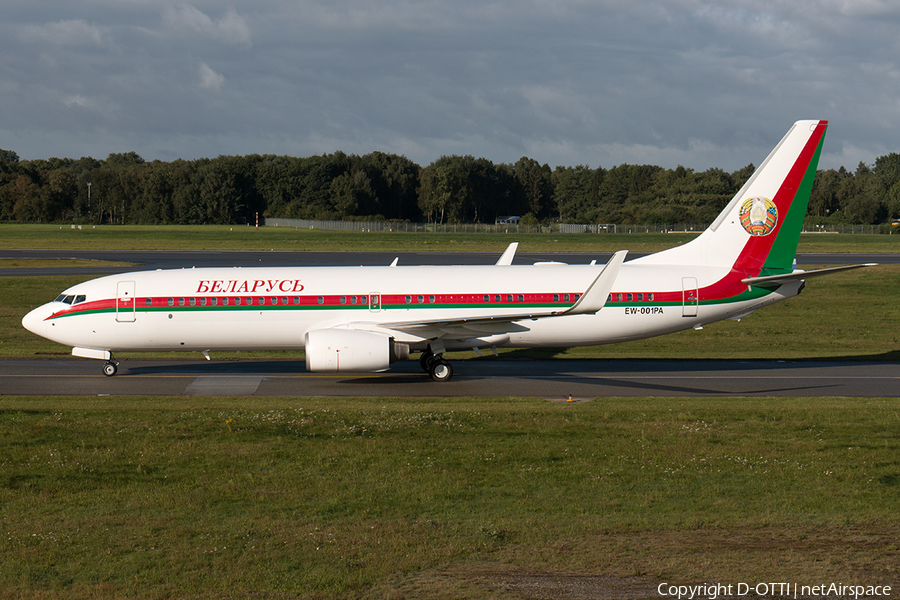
[(852, 314), (54, 263), (351, 498), (225, 237)]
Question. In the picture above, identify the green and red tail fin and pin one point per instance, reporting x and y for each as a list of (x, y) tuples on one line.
[(758, 232)]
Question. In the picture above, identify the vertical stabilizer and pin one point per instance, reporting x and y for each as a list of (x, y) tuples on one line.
[(757, 233)]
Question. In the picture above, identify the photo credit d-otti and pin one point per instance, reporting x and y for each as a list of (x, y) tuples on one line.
[(723, 591)]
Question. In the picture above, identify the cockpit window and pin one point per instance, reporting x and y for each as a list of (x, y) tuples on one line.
[(71, 298)]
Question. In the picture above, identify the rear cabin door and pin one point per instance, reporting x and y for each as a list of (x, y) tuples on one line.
[(691, 298), (125, 302)]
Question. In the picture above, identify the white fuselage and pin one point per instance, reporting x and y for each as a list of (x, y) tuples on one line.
[(273, 308)]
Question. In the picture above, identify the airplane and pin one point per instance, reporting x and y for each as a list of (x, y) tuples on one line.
[(363, 319)]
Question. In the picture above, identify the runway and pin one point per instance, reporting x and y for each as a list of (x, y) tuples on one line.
[(553, 380)]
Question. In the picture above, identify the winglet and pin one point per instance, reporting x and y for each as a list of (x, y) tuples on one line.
[(594, 298), (507, 257)]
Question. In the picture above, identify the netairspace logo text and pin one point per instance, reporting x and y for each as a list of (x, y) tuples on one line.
[(714, 591)]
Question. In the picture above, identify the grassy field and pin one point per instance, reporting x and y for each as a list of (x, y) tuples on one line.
[(53, 263), (458, 498), (224, 237)]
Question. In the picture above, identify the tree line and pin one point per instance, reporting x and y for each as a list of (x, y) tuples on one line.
[(125, 188)]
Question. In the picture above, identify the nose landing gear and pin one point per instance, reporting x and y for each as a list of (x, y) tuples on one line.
[(111, 368)]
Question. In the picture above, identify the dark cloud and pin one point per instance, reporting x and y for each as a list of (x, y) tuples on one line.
[(569, 82)]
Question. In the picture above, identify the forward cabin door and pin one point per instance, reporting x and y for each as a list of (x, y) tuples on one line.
[(125, 302), (691, 296)]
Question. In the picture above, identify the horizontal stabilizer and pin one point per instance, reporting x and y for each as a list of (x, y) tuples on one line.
[(773, 280)]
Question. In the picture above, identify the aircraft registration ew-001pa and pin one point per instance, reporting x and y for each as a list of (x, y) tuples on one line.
[(362, 319)]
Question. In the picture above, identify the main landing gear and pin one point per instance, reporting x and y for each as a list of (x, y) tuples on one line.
[(436, 365), (111, 368)]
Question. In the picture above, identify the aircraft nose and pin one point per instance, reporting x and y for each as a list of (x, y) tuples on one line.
[(34, 321)]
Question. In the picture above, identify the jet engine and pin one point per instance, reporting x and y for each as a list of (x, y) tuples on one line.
[(347, 350)]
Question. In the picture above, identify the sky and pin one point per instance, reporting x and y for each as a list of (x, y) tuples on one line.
[(565, 82)]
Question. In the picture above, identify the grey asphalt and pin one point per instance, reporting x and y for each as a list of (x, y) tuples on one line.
[(144, 260), (549, 379)]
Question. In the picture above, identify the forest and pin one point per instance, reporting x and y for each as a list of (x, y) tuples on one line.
[(124, 188)]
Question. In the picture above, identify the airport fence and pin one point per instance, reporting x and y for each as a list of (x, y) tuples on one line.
[(594, 228), (407, 227)]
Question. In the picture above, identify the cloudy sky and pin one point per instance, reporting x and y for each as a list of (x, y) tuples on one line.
[(566, 82)]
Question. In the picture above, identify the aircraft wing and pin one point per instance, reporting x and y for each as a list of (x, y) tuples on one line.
[(776, 280), (591, 301)]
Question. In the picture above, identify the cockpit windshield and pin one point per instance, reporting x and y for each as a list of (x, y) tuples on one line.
[(71, 299)]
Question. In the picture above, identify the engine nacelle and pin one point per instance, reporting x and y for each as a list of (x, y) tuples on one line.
[(347, 350)]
